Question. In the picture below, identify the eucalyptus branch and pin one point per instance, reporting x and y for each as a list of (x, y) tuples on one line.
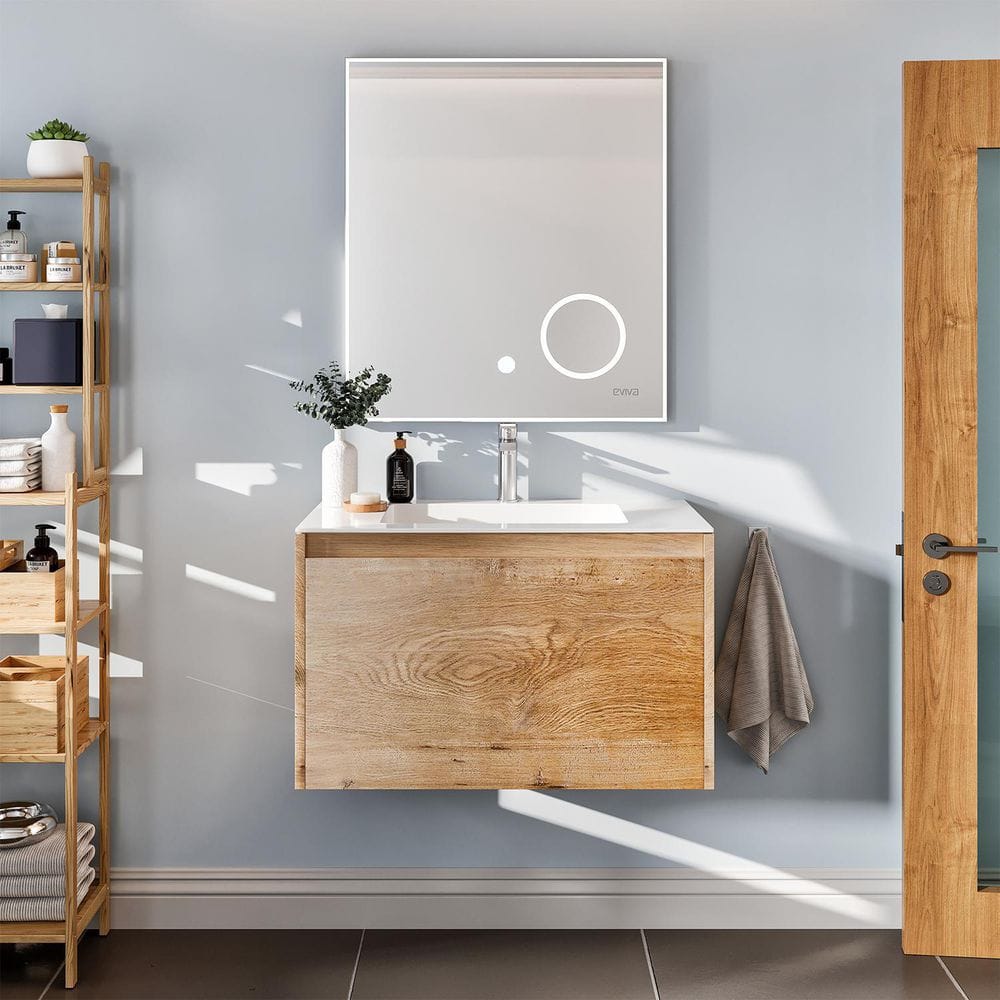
[(341, 401)]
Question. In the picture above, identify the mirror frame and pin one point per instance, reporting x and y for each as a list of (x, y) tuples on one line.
[(661, 64)]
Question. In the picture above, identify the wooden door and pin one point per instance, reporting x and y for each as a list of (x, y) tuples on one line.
[(951, 112)]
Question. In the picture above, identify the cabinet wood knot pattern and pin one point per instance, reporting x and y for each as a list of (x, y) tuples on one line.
[(504, 660)]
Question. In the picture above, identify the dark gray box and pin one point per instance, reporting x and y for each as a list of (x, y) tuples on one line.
[(48, 352)]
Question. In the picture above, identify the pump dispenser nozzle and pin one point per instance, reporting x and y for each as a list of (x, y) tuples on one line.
[(13, 222)]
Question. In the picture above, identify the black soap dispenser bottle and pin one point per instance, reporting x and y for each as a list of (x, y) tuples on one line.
[(399, 472), (42, 558)]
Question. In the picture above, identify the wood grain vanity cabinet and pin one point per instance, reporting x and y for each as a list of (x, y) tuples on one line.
[(504, 660)]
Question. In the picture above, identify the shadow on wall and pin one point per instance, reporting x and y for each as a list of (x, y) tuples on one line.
[(840, 606)]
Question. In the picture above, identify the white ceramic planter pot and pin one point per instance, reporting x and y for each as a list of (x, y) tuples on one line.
[(340, 472), (56, 158)]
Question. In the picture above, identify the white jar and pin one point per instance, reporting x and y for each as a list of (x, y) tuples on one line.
[(62, 269), (18, 267), (58, 450)]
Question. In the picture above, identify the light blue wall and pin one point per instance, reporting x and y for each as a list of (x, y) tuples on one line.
[(225, 124)]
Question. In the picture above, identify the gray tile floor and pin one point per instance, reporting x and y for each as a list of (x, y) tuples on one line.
[(496, 965)]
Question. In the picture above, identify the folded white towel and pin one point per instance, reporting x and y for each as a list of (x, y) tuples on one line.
[(20, 467), (19, 448), (20, 484), (35, 886), (45, 907)]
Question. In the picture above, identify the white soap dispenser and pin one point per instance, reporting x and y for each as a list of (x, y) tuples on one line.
[(12, 240), (58, 450)]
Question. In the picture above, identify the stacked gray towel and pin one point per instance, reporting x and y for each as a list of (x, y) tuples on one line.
[(33, 878), (761, 689), (20, 465)]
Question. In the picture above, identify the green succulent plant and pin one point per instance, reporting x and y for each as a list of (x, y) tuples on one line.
[(340, 401), (56, 129)]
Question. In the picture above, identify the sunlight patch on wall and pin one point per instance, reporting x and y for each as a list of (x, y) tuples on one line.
[(237, 477), (126, 560), (760, 487), (130, 465), (689, 854), (228, 583), (241, 694), (118, 666), (293, 318), (270, 371)]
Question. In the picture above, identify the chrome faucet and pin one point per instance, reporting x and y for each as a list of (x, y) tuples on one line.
[(507, 475)]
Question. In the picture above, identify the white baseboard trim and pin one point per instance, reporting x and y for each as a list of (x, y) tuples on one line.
[(502, 898)]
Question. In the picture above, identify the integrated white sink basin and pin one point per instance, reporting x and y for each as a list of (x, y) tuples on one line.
[(493, 512), (527, 517)]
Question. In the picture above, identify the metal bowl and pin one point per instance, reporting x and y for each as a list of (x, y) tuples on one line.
[(23, 823)]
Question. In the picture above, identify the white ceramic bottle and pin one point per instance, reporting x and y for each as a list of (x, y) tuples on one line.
[(340, 471), (58, 450)]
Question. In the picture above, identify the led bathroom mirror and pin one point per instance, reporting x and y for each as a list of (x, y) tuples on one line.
[(506, 237)]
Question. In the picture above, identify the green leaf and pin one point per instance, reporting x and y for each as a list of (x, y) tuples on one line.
[(56, 129)]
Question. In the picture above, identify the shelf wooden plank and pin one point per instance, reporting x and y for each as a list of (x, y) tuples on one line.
[(54, 931), (47, 390), (50, 286), (84, 739), (41, 498), (89, 610), (50, 184)]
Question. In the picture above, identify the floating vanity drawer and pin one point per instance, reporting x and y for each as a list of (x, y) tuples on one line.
[(502, 660)]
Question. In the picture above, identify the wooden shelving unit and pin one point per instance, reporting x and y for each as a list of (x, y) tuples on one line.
[(93, 486)]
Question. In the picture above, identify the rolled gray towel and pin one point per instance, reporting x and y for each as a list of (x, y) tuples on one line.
[(761, 690), (27, 886), (47, 857), (45, 907)]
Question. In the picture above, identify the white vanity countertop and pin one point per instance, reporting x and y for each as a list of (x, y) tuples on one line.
[(668, 517)]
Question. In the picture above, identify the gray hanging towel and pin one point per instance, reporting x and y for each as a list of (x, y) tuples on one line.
[(761, 690)]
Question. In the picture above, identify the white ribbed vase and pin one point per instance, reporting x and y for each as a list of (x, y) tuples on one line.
[(340, 471), (58, 451)]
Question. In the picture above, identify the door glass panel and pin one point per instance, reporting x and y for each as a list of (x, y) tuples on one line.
[(989, 517)]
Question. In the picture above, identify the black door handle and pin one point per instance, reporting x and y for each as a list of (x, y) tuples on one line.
[(940, 547)]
